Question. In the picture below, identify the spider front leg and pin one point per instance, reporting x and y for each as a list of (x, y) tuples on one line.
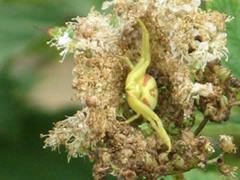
[(145, 49), (139, 70), (129, 63), (131, 119)]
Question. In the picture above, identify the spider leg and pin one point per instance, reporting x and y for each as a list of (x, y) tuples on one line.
[(131, 119), (152, 117), (140, 69), (131, 66), (164, 134), (135, 68), (145, 50), (129, 63)]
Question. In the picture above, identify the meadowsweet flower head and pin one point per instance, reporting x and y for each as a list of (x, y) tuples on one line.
[(186, 45)]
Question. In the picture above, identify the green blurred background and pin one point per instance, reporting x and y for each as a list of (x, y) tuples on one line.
[(35, 90)]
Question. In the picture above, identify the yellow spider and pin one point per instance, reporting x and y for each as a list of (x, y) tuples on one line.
[(141, 89)]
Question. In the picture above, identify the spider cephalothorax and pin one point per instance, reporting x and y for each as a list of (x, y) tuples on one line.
[(142, 91)]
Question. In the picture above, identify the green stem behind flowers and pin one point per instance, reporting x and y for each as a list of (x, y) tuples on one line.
[(214, 160), (178, 177), (201, 126)]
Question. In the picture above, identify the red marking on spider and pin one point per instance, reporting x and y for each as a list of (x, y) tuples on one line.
[(146, 79), (152, 92), (145, 101)]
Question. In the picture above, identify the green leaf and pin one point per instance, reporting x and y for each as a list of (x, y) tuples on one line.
[(39, 164), (235, 111), (232, 8), (198, 116), (146, 128), (199, 175), (238, 95), (120, 112), (215, 130), (115, 22)]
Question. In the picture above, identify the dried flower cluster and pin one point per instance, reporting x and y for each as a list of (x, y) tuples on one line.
[(226, 144), (186, 45)]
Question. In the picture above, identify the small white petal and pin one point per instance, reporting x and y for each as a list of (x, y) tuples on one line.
[(173, 46), (202, 89), (211, 27), (63, 40), (203, 46), (196, 3), (211, 57), (173, 9), (187, 8), (107, 4), (161, 2)]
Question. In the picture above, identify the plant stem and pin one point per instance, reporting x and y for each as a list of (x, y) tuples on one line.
[(201, 126), (214, 160), (178, 177)]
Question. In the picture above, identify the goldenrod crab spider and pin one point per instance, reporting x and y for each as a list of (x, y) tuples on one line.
[(141, 89)]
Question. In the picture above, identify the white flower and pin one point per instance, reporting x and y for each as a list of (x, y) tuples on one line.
[(196, 3), (192, 6), (107, 4), (187, 7), (211, 27), (203, 46), (63, 54), (64, 40), (210, 57), (202, 89), (161, 2)]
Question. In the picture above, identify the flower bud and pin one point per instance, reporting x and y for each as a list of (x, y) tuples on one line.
[(224, 74)]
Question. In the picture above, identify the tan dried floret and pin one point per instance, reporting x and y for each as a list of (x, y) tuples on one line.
[(99, 80), (73, 133), (226, 144)]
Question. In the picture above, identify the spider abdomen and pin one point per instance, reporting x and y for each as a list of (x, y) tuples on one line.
[(149, 91)]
